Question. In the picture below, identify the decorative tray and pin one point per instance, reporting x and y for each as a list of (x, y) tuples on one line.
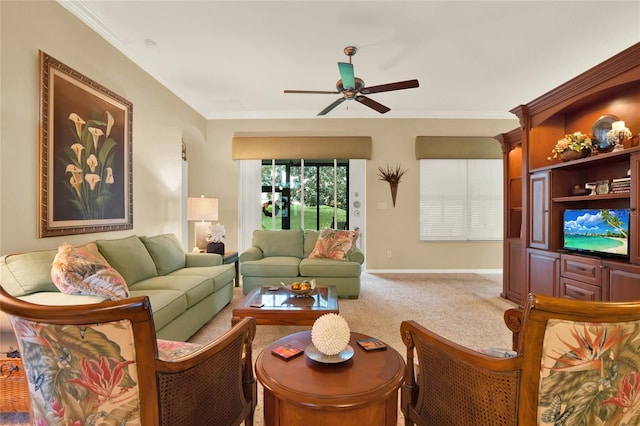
[(344, 355)]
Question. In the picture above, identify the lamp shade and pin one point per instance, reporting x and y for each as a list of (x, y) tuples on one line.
[(201, 208)]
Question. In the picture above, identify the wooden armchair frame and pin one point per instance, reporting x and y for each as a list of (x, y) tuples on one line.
[(214, 384), (452, 385)]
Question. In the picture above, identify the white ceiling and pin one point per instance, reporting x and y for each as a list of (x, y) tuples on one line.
[(474, 59)]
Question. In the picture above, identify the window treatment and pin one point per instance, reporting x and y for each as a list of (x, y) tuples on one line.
[(308, 147), (460, 188), (460, 147)]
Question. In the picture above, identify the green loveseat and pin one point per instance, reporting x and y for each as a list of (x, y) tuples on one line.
[(185, 289), (283, 256)]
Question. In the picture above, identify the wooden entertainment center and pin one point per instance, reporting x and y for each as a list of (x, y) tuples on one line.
[(537, 190)]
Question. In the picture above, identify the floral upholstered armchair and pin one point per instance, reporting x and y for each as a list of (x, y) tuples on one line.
[(102, 364), (577, 363)]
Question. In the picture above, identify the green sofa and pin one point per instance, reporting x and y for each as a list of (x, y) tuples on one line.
[(185, 289), (283, 256)]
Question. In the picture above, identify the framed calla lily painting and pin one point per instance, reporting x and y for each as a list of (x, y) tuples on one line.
[(85, 180)]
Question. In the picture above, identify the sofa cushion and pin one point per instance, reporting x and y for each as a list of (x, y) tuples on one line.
[(276, 266), (333, 244), (286, 242), (166, 251), (26, 273), (129, 257), (220, 275), (55, 298), (310, 238), (193, 260), (166, 305), (194, 287), (75, 271), (329, 268)]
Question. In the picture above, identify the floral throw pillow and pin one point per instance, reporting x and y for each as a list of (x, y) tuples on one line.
[(75, 271), (333, 244)]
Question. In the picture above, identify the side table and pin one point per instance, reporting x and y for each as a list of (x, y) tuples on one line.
[(360, 391), (232, 257)]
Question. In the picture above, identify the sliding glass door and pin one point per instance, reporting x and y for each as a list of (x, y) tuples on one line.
[(305, 194)]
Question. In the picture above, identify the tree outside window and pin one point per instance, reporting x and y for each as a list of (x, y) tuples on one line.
[(318, 184)]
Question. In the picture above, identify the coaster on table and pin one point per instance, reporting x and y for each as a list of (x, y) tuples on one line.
[(372, 344), (287, 351)]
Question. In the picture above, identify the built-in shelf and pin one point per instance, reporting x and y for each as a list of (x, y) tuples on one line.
[(599, 158), (620, 195), (533, 262)]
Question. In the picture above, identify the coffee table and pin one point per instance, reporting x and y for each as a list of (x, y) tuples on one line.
[(281, 308), (360, 391)]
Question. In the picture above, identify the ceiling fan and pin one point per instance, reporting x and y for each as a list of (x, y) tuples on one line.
[(352, 87)]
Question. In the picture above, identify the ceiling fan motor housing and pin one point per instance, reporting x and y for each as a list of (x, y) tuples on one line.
[(350, 94)]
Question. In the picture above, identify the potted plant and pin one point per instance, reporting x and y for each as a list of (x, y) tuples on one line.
[(572, 146)]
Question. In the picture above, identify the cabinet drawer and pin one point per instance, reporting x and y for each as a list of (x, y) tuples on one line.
[(581, 268), (572, 289)]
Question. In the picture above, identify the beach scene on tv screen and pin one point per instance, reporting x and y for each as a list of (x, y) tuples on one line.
[(603, 231)]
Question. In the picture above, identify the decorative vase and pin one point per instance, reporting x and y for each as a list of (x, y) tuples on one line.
[(394, 192), (217, 248), (569, 154)]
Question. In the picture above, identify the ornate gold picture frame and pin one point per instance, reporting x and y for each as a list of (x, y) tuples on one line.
[(85, 133)]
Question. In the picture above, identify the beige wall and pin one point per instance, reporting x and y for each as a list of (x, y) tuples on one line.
[(159, 121), (395, 229)]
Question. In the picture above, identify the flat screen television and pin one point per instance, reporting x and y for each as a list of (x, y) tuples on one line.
[(602, 232)]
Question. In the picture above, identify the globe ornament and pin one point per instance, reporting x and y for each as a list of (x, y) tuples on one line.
[(330, 334)]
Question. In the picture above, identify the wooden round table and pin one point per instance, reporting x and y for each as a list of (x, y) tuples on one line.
[(360, 391)]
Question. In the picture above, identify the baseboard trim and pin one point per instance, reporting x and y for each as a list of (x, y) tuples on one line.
[(433, 271)]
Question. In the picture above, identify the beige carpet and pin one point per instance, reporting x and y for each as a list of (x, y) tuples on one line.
[(465, 308)]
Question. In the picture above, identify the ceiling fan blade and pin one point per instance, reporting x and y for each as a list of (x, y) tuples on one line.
[(347, 76), (399, 85), (319, 92), (332, 106), (372, 104)]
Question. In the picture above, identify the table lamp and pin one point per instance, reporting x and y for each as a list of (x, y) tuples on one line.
[(201, 209)]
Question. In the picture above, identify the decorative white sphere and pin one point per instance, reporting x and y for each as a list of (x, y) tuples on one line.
[(330, 334)]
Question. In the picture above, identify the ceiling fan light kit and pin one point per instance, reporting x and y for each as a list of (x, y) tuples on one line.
[(354, 88)]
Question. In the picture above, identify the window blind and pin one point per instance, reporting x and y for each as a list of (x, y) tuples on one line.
[(460, 200)]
